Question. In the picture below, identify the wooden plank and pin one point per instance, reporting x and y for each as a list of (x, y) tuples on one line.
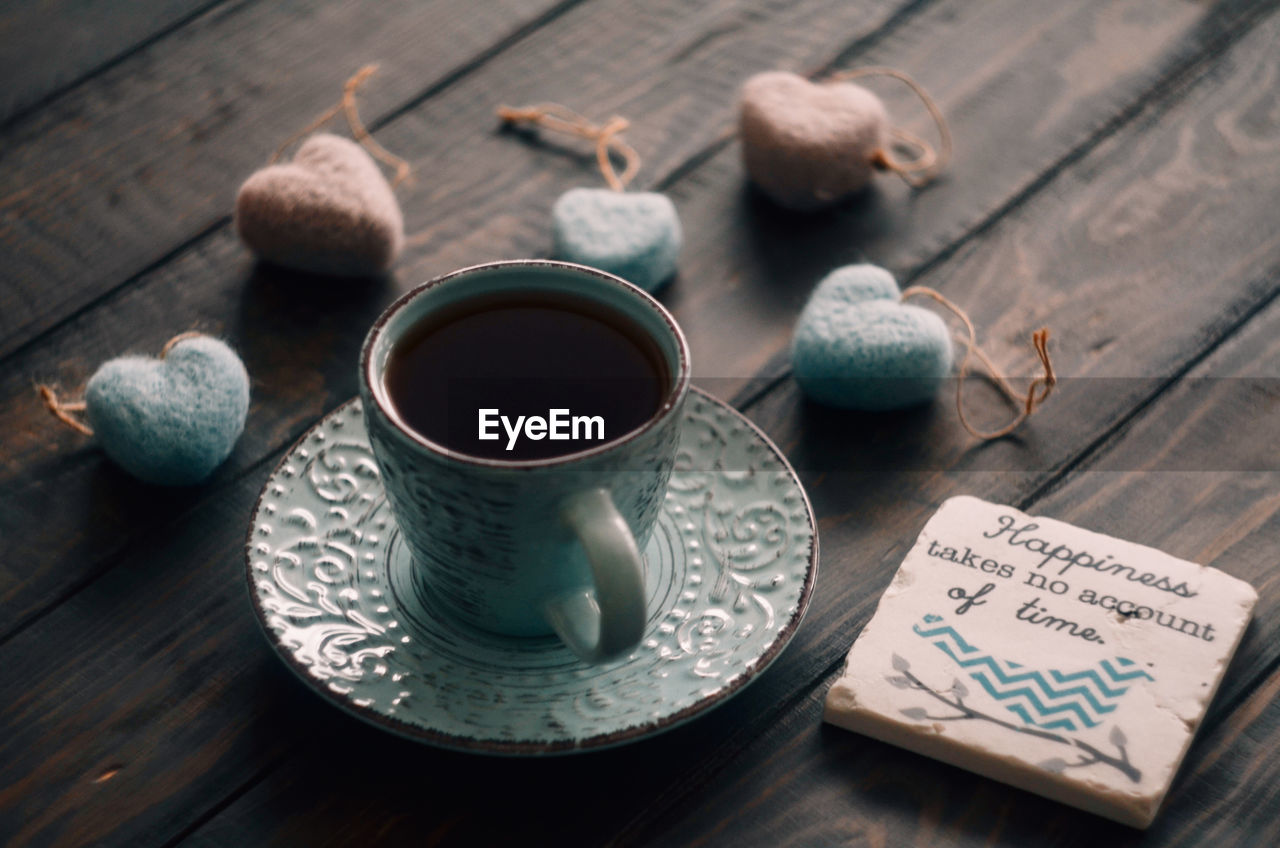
[(110, 628), (484, 195), (300, 336), (804, 784), (179, 200), (124, 169), (1232, 784), (140, 762), (1171, 479), (40, 60), (1060, 80), (280, 338), (159, 164)]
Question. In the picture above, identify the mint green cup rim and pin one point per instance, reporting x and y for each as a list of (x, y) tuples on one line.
[(376, 346)]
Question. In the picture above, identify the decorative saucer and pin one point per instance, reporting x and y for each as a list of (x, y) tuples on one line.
[(728, 571)]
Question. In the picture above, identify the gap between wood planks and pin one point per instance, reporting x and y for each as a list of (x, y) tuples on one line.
[(677, 172), (225, 802), (778, 369), (778, 730), (749, 737), (259, 778), (891, 24), (1165, 94), (1095, 448), (449, 79), (1160, 91), (58, 91)]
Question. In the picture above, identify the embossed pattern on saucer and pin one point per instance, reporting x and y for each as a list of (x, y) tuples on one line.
[(729, 571)]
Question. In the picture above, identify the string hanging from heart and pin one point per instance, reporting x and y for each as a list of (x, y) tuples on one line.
[(633, 235), (607, 136), (930, 162), (169, 420), (1027, 402), (66, 411), (858, 344), (348, 107)]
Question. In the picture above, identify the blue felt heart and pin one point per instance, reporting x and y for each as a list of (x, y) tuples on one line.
[(634, 235), (172, 420), (858, 346)]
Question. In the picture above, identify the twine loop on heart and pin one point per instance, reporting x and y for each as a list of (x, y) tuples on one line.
[(928, 162), (181, 337), (66, 411), (607, 136), (1037, 392), (347, 106)]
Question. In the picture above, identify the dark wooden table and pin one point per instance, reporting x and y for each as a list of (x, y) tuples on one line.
[(1117, 177)]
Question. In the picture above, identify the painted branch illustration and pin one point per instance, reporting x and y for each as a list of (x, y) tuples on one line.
[(1089, 756)]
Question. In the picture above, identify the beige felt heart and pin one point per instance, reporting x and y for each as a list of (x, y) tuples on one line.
[(329, 211), (805, 144)]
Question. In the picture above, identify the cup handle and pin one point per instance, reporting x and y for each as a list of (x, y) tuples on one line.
[(608, 620)]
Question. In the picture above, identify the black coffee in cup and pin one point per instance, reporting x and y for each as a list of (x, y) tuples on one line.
[(526, 375)]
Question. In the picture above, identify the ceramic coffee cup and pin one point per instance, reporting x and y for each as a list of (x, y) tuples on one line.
[(530, 547)]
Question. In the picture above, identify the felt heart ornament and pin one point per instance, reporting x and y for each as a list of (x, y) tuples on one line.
[(635, 235), (329, 211), (808, 145), (857, 346), (171, 420)]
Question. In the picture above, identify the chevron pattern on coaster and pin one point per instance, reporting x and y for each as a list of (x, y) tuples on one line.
[(1051, 699)]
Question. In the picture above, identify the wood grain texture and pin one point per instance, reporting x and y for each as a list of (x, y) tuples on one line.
[(299, 335), (282, 324), (483, 195), (333, 792), (1025, 96), (47, 48), (1224, 512), (1192, 474), (123, 170), (1230, 787), (807, 785), (139, 703), (93, 247)]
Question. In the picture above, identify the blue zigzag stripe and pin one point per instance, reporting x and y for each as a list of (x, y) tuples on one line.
[(1090, 674), (1060, 724), (1122, 675), (1030, 695), (1026, 691), (1079, 697), (949, 631), (1032, 676)]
